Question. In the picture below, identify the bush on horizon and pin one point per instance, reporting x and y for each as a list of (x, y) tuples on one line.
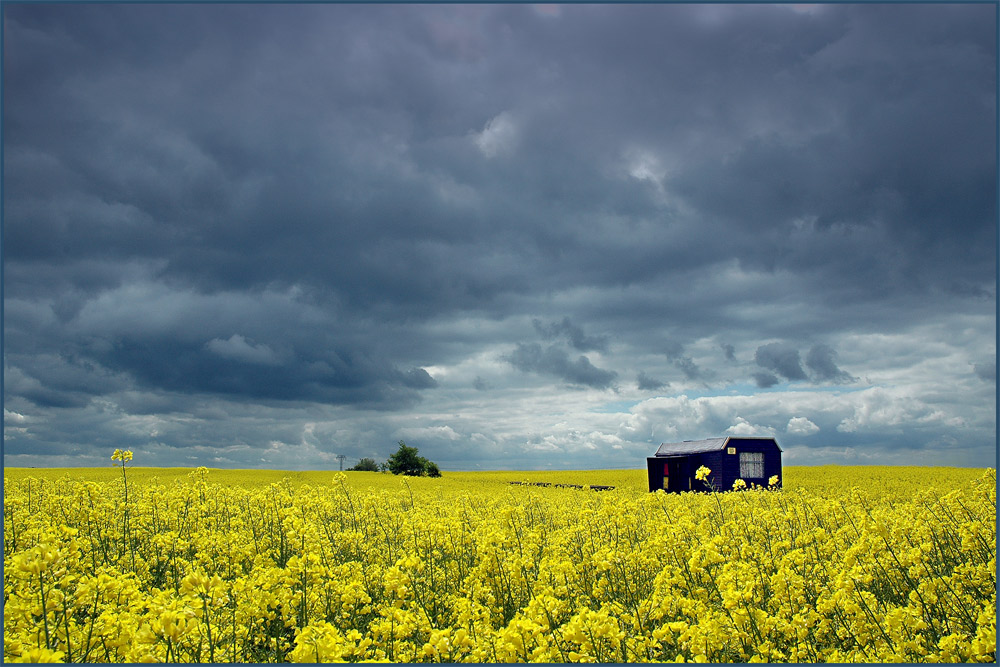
[(407, 461)]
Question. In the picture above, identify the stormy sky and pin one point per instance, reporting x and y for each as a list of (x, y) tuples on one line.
[(514, 236)]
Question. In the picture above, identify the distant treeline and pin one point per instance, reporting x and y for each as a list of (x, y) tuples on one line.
[(406, 461)]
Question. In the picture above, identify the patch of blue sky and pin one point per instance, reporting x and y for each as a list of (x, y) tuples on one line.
[(749, 389)]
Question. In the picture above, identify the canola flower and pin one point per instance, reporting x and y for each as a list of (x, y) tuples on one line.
[(123, 455), (220, 566)]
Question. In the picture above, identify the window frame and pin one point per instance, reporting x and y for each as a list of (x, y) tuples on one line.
[(750, 463)]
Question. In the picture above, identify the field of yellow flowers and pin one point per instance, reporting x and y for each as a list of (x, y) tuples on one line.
[(132, 564)]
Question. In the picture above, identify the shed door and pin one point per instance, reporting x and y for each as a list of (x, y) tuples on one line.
[(678, 475)]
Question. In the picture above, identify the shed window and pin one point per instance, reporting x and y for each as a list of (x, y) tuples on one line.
[(751, 465)]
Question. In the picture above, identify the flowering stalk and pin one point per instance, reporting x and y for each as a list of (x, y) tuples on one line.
[(702, 475), (125, 456)]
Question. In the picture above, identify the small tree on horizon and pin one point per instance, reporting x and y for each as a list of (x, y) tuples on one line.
[(366, 465), (407, 461)]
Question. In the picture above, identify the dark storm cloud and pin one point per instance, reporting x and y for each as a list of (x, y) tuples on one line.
[(28, 386), (573, 334), (781, 359), (344, 159), (318, 205), (646, 383), (764, 379), (686, 364), (418, 378), (689, 368), (381, 107), (333, 376), (337, 376), (882, 178), (553, 360), (290, 191), (154, 338), (986, 371), (58, 381), (820, 360)]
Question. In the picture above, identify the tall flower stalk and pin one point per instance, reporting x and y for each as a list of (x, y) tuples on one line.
[(125, 455)]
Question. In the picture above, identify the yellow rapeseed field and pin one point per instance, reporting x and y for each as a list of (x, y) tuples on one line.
[(133, 564)]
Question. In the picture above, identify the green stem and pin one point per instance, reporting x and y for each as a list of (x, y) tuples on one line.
[(45, 614), (69, 648), (208, 627)]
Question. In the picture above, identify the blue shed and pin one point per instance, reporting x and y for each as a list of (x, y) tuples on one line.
[(752, 459)]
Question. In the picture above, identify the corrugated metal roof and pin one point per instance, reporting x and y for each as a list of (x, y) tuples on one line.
[(691, 447), (699, 446)]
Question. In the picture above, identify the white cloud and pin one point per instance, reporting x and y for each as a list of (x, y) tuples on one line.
[(743, 427), (878, 413), (644, 165), (144, 426), (13, 417), (499, 135), (801, 426), (879, 408)]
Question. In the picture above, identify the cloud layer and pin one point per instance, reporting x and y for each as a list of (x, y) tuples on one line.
[(263, 235)]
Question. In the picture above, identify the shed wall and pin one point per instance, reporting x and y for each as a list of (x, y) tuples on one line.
[(729, 464), (725, 466)]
